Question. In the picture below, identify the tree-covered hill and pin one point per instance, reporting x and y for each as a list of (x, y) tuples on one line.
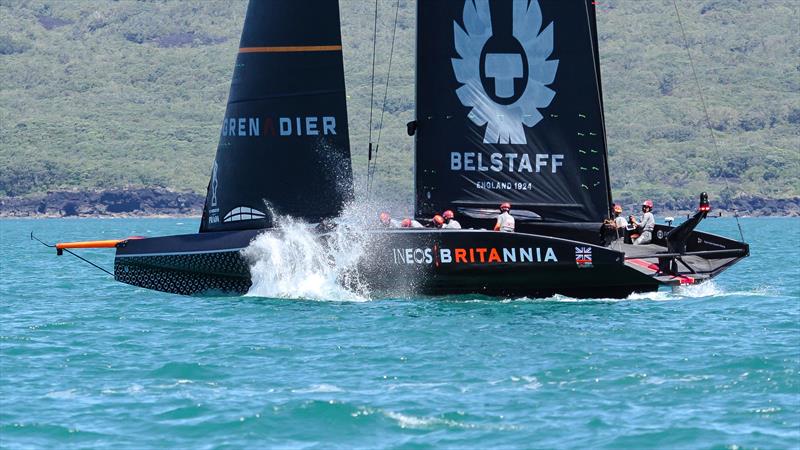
[(100, 95)]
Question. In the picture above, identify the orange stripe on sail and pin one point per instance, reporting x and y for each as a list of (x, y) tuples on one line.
[(292, 49)]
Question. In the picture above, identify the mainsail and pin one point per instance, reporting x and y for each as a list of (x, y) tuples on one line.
[(509, 108), (283, 146)]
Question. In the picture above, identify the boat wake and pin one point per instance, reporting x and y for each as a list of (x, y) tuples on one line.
[(292, 262), (707, 289)]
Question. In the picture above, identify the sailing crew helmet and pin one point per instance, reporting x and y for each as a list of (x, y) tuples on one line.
[(505, 206), (618, 209), (438, 220), (406, 223), (648, 203), (448, 215), (385, 218)]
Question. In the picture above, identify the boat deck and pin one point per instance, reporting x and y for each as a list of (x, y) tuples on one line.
[(692, 268), (638, 251)]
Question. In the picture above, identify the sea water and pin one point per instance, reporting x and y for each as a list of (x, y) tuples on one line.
[(88, 362)]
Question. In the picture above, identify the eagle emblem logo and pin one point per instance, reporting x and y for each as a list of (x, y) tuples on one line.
[(214, 184), (504, 89)]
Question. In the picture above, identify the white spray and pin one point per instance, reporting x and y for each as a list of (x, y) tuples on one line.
[(293, 261)]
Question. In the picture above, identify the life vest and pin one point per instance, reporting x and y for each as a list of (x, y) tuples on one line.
[(648, 222), (506, 222)]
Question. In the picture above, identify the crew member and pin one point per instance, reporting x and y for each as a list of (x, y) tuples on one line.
[(646, 225), (619, 221), (387, 221), (449, 221), (438, 221), (410, 223), (505, 221)]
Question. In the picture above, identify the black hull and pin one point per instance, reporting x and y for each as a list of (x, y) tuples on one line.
[(429, 262), (190, 264)]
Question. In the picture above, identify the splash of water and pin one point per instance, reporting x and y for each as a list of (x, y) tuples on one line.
[(294, 261), (706, 289)]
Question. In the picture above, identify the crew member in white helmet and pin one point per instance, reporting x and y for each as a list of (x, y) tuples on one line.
[(505, 221), (449, 221)]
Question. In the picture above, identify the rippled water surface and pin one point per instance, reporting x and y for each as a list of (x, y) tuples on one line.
[(88, 362)]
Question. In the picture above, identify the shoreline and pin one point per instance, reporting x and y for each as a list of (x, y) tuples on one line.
[(35, 216), (111, 203), (163, 203), (102, 217)]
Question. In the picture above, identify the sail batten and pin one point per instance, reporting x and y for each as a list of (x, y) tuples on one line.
[(291, 49), (284, 145), (509, 108)]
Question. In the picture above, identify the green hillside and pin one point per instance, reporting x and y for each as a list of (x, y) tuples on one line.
[(122, 93)]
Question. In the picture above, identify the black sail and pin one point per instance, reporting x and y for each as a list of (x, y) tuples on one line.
[(284, 146), (509, 108)]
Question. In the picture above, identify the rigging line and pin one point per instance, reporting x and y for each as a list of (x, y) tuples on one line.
[(34, 238), (71, 253), (372, 96), (596, 63), (386, 87), (87, 261), (705, 108)]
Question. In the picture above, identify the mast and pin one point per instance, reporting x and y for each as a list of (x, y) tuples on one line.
[(509, 108), (284, 145)]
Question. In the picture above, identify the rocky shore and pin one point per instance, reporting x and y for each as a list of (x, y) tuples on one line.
[(743, 206), (110, 203), (141, 202)]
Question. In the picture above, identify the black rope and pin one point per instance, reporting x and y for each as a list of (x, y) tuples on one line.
[(372, 96), (34, 238), (385, 93), (705, 108), (736, 215), (87, 261)]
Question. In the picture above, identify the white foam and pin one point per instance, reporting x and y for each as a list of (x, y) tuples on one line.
[(64, 395), (318, 388), (409, 421), (422, 422), (292, 261), (705, 289)]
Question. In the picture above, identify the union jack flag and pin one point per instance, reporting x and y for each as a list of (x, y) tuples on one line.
[(583, 256)]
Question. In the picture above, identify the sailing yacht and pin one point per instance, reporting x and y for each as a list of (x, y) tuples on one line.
[(509, 108)]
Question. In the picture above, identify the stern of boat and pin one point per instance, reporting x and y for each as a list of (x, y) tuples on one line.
[(704, 257)]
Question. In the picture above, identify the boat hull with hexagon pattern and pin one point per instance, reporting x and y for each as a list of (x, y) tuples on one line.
[(436, 262)]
